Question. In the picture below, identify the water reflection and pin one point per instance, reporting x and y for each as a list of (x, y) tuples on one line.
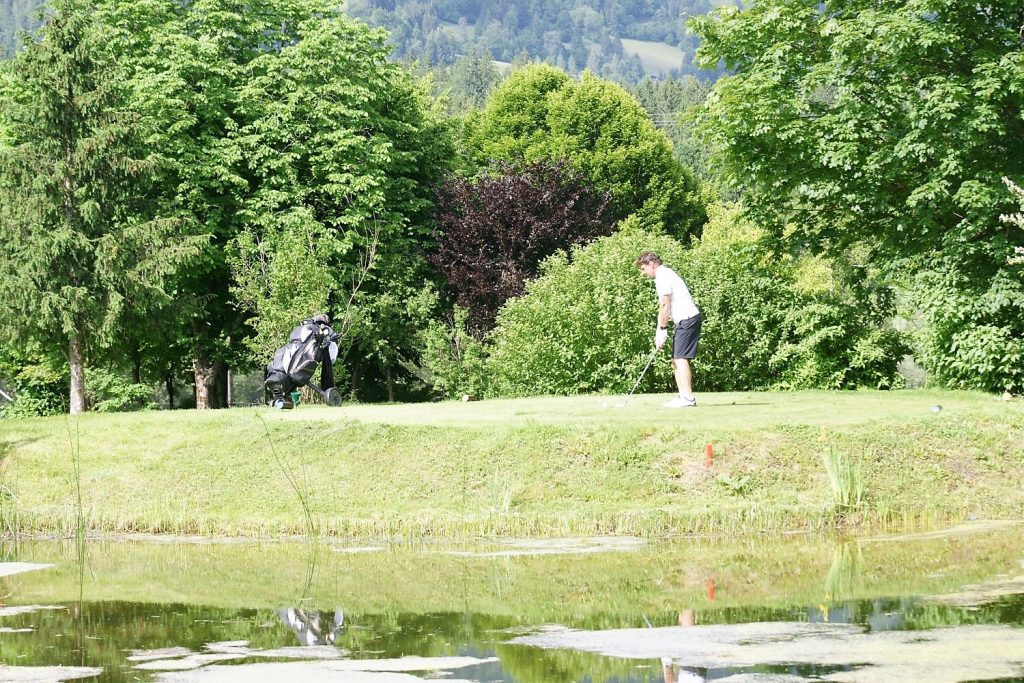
[(219, 607), (683, 674), (313, 627)]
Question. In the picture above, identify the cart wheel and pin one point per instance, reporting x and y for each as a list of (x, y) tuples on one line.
[(332, 397)]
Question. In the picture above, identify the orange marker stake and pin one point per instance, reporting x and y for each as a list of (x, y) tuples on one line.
[(709, 456), (710, 585)]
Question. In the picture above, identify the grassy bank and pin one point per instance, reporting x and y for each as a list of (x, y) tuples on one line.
[(539, 467)]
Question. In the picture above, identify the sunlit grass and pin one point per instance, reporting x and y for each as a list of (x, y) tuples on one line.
[(534, 467)]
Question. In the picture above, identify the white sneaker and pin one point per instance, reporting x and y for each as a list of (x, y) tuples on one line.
[(680, 402)]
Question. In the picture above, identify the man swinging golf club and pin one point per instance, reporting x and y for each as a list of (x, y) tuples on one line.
[(675, 303)]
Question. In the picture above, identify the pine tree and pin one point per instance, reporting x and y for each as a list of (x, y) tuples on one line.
[(83, 246)]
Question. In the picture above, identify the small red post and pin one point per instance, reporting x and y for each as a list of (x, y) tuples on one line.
[(709, 456), (710, 585)]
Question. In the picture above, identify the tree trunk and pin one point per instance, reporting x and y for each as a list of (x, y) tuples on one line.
[(170, 390), (391, 384), (219, 390), (204, 379), (211, 383), (136, 355), (77, 404), (357, 373)]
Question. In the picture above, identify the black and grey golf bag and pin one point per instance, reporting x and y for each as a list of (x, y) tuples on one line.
[(312, 344)]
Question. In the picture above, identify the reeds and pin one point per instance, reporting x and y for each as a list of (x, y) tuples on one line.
[(846, 477), (10, 523)]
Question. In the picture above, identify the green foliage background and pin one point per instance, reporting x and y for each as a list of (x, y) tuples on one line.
[(586, 325), (541, 113)]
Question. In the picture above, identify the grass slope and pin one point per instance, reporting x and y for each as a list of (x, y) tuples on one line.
[(540, 467), (657, 58)]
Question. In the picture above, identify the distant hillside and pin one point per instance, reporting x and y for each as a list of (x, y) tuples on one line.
[(623, 40), (16, 15)]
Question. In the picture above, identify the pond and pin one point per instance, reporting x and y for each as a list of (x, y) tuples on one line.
[(941, 606)]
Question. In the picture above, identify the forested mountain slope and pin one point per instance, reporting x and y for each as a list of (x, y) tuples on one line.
[(15, 15), (622, 40), (619, 39)]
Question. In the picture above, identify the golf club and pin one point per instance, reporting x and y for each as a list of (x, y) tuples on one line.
[(638, 379)]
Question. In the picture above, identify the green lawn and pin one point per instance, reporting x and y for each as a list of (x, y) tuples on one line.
[(538, 467)]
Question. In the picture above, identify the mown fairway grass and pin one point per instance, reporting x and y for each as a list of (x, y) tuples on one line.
[(533, 467)]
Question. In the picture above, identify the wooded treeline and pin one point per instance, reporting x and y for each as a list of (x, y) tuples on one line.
[(181, 184)]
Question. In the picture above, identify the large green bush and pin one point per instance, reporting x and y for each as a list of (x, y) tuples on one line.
[(111, 392), (453, 360), (587, 324), (971, 337), (39, 384), (972, 333)]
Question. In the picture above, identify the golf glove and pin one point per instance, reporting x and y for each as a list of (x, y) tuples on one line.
[(660, 337)]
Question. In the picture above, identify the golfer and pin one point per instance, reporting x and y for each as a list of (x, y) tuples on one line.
[(675, 303)]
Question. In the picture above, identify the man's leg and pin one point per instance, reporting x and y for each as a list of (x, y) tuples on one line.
[(684, 377)]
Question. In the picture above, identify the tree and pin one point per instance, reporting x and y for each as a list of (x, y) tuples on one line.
[(472, 78), (343, 150), (514, 121), (83, 244), (540, 113), (888, 125), (193, 64), (493, 231), (669, 103), (859, 122)]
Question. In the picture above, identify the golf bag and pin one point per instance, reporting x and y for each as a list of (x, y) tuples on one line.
[(312, 344)]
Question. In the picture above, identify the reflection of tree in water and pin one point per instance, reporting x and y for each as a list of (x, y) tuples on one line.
[(110, 630), (313, 627)]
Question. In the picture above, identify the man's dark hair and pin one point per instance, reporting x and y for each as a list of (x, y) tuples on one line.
[(648, 257)]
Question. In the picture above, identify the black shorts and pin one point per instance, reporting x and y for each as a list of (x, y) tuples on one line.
[(685, 338)]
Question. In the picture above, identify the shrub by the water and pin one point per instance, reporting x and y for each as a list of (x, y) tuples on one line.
[(112, 392), (38, 386)]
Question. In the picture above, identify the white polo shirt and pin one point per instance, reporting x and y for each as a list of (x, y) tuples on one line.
[(667, 281)]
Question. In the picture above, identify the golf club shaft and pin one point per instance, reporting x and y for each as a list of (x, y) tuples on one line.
[(642, 373)]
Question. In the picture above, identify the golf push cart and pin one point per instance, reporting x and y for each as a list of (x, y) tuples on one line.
[(312, 343)]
